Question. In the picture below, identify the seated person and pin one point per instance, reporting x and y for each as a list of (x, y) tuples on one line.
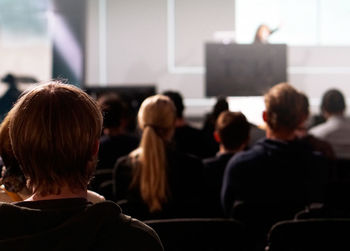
[(187, 138), (13, 184), (317, 144), (54, 131), (115, 141), (156, 180), (336, 129), (208, 128), (278, 176), (232, 134)]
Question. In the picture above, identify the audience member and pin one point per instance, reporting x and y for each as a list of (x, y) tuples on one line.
[(156, 180), (316, 143), (115, 141), (336, 129), (210, 120), (275, 178), (187, 138), (54, 131), (232, 133), (13, 184)]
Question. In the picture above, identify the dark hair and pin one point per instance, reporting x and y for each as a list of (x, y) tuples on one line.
[(220, 106), (177, 100), (54, 130), (113, 109), (233, 129), (333, 102)]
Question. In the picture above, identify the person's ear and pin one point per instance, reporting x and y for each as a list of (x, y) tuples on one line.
[(217, 137), (95, 148), (264, 116)]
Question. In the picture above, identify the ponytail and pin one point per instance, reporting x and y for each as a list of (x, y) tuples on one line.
[(151, 174)]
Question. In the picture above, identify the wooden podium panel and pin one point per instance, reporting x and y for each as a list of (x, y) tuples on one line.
[(244, 69)]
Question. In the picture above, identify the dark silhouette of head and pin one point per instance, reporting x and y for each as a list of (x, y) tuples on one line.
[(233, 129), (177, 99), (113, 110), (333, 102), (220, 106), (9, 79)]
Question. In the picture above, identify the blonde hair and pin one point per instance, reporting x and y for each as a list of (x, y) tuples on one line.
[(156, 119), (54, 130)]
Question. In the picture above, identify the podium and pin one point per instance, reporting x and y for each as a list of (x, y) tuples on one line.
[(244, 69)]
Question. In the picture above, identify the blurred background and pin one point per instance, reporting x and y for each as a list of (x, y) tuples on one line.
[(160, 44)]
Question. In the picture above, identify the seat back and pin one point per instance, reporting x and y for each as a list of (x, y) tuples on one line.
[(260, 217), (309, 234), (205, 234)]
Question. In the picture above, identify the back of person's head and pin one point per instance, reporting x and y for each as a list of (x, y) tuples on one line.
[(113, 109), (233, 130), (54, 131), (12, 176), (177, 99), (284, 107), (156, 119), (333, 102), (220, 106)]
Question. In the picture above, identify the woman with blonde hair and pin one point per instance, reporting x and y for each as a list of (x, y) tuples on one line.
[(156, 179)]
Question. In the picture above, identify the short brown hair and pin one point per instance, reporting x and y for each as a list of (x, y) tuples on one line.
[(233, 129), (284, 107), (54, 130)]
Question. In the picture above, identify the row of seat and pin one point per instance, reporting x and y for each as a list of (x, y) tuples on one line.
[(221, 234)]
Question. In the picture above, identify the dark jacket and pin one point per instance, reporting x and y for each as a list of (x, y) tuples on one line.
[(275, 172), (72, 224), (185, 182), (213, 174)]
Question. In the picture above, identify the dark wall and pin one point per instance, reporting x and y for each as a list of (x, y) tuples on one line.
[(244, 69)]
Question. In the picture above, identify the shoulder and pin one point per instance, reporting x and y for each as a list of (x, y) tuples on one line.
[(133, 233), (210, 161), (143, 230), (124, 162), (324, 128), (176, 157), (94, 197), (248, 157)]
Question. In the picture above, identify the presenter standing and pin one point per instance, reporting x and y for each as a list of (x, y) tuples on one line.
[(262, 34)]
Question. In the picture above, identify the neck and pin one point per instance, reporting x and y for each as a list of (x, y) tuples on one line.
[(280, 135), (224, 150), (328, 115), (65, 193)]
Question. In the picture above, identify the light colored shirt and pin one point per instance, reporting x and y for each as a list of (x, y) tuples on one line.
[(336, 131)]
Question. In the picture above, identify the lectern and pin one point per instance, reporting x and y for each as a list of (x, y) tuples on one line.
[(244, 69)]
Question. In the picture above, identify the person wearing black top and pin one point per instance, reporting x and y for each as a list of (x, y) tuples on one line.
[(232, 133), (279, 175), (189, 139), (156, 179), (54, 131)]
